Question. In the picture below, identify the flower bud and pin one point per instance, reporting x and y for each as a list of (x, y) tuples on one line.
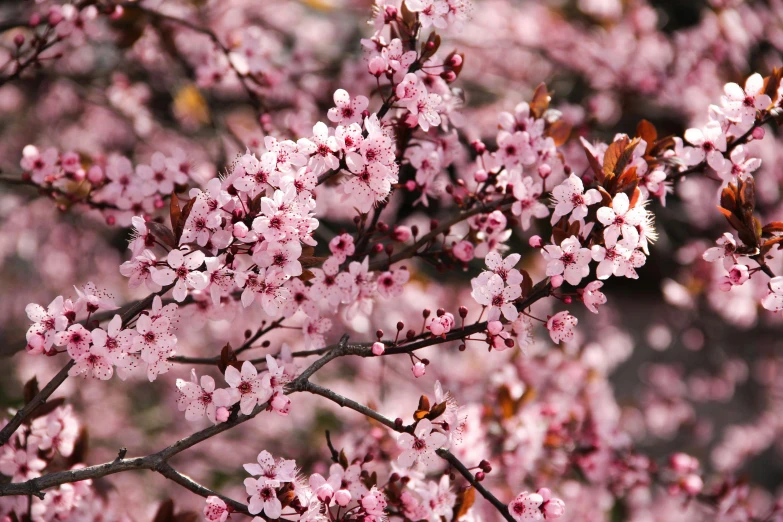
[(221, 414), (535, 242), (342, 497), (556, 281), (19, 39), (455, 60), (401, 233), (494, 327), (692, 484), (478, 146), (95, 174), (419, 369), (378, 348), (240, 230), (463, 311), (480, 176), (758, 133), (377, 66), (553, 508), (463, 251)]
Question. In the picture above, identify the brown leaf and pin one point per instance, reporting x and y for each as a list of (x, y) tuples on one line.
[(728, 198), (30, 390), (612, 157), (559, 131), (46, 408), (424, 403), (174, 211), (227, 357), (437, 410), (162, 233), (465, 500), (187, 516), (646, 131), (80, 448), (183, 218), (772, 82), (506, 403), (343, 459), (774, 226), (527, 283), (540, 102), (594, 164), (420, 414)]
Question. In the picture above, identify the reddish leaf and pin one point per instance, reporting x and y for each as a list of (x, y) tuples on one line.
[(646, 131), (559, 131), (540, 102), (30, 390), (465, 500), (174, 211), (183, 218)]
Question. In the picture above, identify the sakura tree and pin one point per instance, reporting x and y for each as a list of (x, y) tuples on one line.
[(327, 261)]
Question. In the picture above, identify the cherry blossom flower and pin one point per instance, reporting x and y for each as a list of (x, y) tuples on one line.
[(57, 431), (431, 12), (314, 329), (570, 198), (526, 507), (561, 327), (20, 464), (263, 497), (46, 324), (139, 271), (215, 509), (505, 267), (739, 165), (441, 324), (726, 250), (710, 142), (92, 300), (283, 257), (615, 260), (183, 265), (93, 361), (39, 165), (569, 259), (592, 296), (421, 446), (197, 399), (396, 58), (464, 251), (201, 223), (527, 204), (390, 282), (489, 290), (116, 341), (268, 284), (374, 505), (324, 147), (742, 105), (619, 220), (142, 236), (425, 109), (154, 339), (347, 110), (76, 339), (247, 386), (514, 149), (773, 301), (342, 247), (258, 173), (738, 275), (280, 471)]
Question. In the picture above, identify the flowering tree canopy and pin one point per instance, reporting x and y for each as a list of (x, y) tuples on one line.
[(327, 261)]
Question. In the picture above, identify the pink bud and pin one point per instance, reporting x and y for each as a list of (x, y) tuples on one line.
[(758, 133), (342, 497), (35, 19), (19, 39), (553, 508), (378, 348), (324, 493), (463, 251), (118, 12), (448, 76), (535, 242), (240, 230), (692, 484), (402, 233), (419, 369), (478, 146), (411, 120), (95, 174), (221, 414), (455, 60), (556, 281), (545, 493), (377, 66), (55, 15), (480, 176), (494, 327), (544, 170)]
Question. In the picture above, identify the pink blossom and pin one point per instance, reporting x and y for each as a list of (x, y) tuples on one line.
[(347, 110), (76, 339), (742, 105), (248, 387), (710, 142), (342, 247), (726, 250), (773, 301), (215, 509), (197, 399), (619, 220), (46, 324), (390, 282), (561, 327), (421, 445), (570, 198), (592, 296), (526, 507), (463, 251), (441, 324), (489, 290), (183, 265), (569, 259)]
